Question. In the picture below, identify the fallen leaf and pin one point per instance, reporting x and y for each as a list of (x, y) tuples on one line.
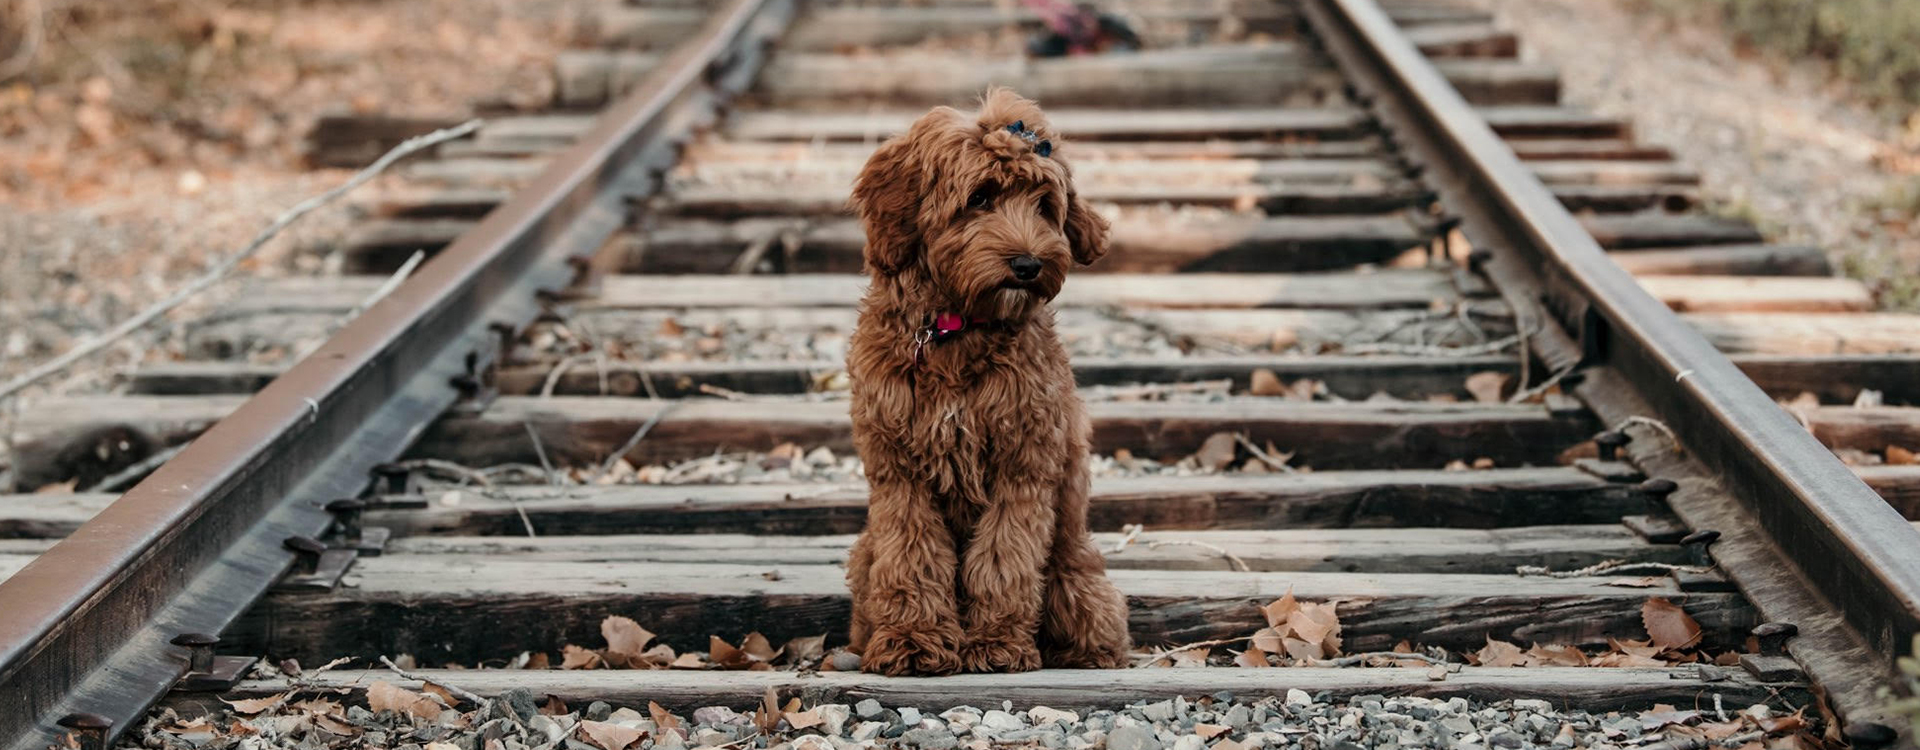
[(256, 705), (806, 649), (1268, 640), (1192, 657), (1217, 452), (1643, 582), (1209, 731), (575, 657), (624, 636), (333, 725), (805, 719), (662, 718), (757, 648), (1301, 650), (1262, 382), (1635, 648), (1668, 625), (1228, 744), (689, 660), (554, 707), (1550, 655), (767, 718), (386, 696), (1279, 610), (538, 661), (609, 736), (722, 654), (445, 695), (1500, 654), (1253, 657), (1898, 456), (1486, 387)]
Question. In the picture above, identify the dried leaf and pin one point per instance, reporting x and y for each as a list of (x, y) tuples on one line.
[(538, 661), (554, 707), (689, 660), (806, 649), (1501, 654), (1547, 655), (1301, 650), (1217, 452), (386, 696), (1192, 657), (1668, 625), (250, 707), (757, 648), (1486, 387), (334, 726), (767, 718), (805, 719), (722, 654), (1209, 731), (575, 657), (1898, 456), (624, 636), (662, 718), (1315, 622), (1280, 610), (1643, 582), (445, 695), (1634, 648), (609, 736), (1262, 382), (1254, 657), (1228, 744)]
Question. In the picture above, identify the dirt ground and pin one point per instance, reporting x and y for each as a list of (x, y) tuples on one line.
[(1783, 143), (146, 139)]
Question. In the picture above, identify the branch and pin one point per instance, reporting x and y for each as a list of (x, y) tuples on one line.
[(220, 271)]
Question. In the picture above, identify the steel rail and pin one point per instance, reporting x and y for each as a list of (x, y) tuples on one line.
[(1845, 547), (85, 628)]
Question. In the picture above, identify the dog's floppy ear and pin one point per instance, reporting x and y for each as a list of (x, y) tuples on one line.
[(1086, 231), (886, 196)]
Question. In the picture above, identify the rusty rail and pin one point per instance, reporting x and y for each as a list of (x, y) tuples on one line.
[(1802, 536), (88, 630)]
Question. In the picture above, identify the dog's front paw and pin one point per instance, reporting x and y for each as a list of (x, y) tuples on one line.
[(994, 654), (1111, 656), (905, 652)]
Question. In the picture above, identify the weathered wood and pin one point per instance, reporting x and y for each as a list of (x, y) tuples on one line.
[(1810, 333), (465, 609), (1321, 435), (1475, 551), (88, 438), (591, 78), (1595, 690), (475, 171), (1836, 378), (1088, 152), (1866, 428), (381, 246), (1386, 288), (1900, 485), (1535, 121), (1727, 260), (422, 202), (1292, 198), (48, 516), (1116, 171), (1484, 499), (1759, 293), (835, 28), (1591, 147), (1326, 123), (354, 140), (1218, 75), (1629, 231)]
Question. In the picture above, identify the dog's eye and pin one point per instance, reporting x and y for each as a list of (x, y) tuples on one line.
[(982, 199), (1049, 210)]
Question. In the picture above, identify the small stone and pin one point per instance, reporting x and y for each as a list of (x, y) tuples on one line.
[(931, 739), (715, 715), (1041, 715), (1132, 738), (811, 742), (1237, 717), (1506, 739), (845, 661), (1457, 724), (998, 721), (833, 717), (597, 711), (868, 708), (1536, 706), (1162, 711), (1190, 742), (1298, 697), (712, 737), (867, 730), (959, 720), (1458, 705), (910, 716), (671, 741)]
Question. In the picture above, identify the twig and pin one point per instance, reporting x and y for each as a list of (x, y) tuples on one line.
[(226, 266), (1523, 396), (1496, 345), (1279, 465), (1357, 659), (726, 393), (560, 370), (758, 249), (1232, 559), (1114, 393), (465, 695), (614, 457), (1128, 533), (540, 450), (446, 468), (1605, 566), (393, 282), (1153, 657), (1653, 423), (120, 478)]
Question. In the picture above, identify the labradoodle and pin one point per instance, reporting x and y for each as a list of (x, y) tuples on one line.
[(976, 555)]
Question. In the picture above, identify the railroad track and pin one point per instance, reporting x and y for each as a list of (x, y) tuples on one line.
[(1383, 322)]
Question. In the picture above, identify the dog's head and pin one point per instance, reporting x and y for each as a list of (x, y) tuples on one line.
[(979, 205)]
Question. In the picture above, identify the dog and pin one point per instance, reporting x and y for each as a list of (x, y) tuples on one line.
[(976, 555)]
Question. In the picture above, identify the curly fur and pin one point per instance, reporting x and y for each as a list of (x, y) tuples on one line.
[(976, 555)]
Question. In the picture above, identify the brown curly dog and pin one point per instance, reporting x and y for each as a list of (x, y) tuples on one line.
[(976, 554)]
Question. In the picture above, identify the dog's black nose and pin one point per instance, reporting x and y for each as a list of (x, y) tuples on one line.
[(1025, 267)]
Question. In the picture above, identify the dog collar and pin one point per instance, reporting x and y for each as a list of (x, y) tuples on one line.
[(940, 327)]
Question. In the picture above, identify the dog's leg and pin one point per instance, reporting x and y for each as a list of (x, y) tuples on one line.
[(1086, 617), (858, 560), (911, 624), (1004, 580)]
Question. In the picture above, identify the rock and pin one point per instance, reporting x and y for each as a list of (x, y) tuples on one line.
[(1536, 706), (1162, 711), (910, 716), (1457, 724), (546, 726), (813, 742), (1000, 721), (833, 717), (867, 709), (1132, 738), (845, 661), (930, 739), (1190, 742), (1237, 717), (1298, 697), (961, 719), (867, 730), (715, 715), (820, 456), (1041, 715), (711, 737), (597, 711), (1506, 739)]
